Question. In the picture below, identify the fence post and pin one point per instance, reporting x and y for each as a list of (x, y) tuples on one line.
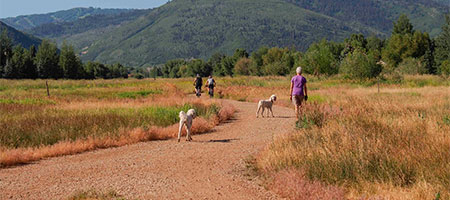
[(48, 91)]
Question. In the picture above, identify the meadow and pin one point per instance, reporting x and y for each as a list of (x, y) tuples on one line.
[(353, 141), (82, 115)]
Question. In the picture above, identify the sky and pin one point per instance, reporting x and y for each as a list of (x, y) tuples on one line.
[(13, 8)]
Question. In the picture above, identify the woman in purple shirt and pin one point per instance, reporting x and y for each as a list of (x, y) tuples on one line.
[(298, 90)]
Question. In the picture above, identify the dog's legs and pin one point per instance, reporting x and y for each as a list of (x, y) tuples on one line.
[(263, 109), (188, 130), (271, 111), (180, 129), (257, 112)]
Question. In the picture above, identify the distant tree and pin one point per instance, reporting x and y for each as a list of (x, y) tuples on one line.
[(5, 50), (402, 26), (278, 61), (46, 61), (444, 68), (359, 65), (228, 65), (215, 62), (16, 65), (404, 46), (29, 71), (442, 42), (412, 66), (240, 53), (96, 70), (70, 63), (242, 67), (155, 72), (198, 66), (374, 44), (257, 61), (117, 71), (320, 60), (171, 68)]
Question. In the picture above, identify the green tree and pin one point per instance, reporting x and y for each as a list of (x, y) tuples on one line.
[(444, 69), (257, 61), (171, 68), (16, 65), (47, 61), (242, 66), (70, 63), (29, 70), (442, 42), (215, 62), (402, 26), (320, 60), (5, 50), (228, 65), (359, 65), (96, 70)]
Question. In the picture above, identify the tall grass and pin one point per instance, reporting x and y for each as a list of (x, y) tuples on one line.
[(393, 144), (85, 115)]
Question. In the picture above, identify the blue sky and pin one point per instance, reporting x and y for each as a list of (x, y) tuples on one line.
[(13, 8)]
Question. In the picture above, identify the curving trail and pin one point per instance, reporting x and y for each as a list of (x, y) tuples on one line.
[(210, 167)]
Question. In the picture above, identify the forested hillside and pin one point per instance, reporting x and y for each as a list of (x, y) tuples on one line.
[(184, 29), (30, 21), (197, 29), (19, 37)]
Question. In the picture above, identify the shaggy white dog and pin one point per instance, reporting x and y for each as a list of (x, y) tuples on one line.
[(263, 104), (186, 119)]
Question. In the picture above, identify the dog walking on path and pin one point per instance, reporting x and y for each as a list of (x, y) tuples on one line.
[(186, 119), (263, 104)]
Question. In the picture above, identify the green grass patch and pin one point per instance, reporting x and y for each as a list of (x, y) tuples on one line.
[(138, 94), (50, 126)]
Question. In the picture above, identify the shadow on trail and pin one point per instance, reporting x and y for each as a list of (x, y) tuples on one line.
[(218, 141)]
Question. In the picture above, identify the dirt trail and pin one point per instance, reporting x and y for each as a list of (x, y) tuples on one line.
[(211, 167)]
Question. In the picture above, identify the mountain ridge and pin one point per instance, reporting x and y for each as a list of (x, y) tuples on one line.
[(19, 37)]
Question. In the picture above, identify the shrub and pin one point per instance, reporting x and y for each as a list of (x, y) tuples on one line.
[(359, 65), (242, 66), (411, 66), (445, 68)]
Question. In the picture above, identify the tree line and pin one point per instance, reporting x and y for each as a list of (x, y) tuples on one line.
[(406, 51), (47, 61)]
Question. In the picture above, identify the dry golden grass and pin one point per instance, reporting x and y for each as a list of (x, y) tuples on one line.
[(389, 145)]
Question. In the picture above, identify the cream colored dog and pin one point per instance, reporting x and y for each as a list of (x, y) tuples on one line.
[(263, 104), (186, 119)]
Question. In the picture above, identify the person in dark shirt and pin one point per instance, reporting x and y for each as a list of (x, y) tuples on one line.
[(198, 82)]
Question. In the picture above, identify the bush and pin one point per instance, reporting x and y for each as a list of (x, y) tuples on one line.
[(411, 66), (359, 65), (242, 66), (445, 68)]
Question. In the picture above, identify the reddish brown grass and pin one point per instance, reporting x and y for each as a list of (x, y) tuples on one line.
[(292, 184)]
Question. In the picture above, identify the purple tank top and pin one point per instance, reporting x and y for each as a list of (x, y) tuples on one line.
[(298, 82)]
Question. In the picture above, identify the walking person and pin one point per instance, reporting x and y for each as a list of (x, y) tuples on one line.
[(210, 83), (198, 82), (298, 91)]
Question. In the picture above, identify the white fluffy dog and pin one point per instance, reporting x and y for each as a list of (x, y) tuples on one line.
[(263, 104), (186, 119)]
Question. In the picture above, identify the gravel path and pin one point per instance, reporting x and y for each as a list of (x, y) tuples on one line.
[(210, 167)]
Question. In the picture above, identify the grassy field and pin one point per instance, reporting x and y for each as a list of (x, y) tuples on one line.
[(352, 142), (85, 115)]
